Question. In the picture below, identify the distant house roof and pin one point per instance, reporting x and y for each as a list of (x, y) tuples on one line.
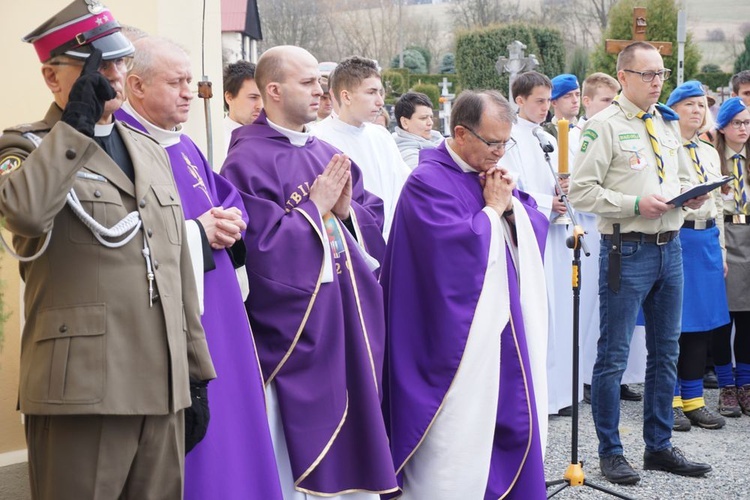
[(241, 16)]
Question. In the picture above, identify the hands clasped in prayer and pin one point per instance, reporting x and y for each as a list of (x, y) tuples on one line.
[(223, 226), (332, 190), (498, 187)]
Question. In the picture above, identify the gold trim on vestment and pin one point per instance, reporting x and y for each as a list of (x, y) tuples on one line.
[(309, 306), (359, 309), (529, 409), (328, 445)]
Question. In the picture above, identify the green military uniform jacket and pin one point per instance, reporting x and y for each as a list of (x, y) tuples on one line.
[(91, 343)]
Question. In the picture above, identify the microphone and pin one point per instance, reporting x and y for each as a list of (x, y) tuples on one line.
[(544, 139)]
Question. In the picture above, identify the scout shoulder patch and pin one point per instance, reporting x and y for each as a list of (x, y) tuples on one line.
[(590, 134), (629, 137), (9, 163), (584, 146)]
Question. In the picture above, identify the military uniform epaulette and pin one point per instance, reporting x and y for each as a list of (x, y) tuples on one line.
[(667, 113), (605, 114), (16, 143)]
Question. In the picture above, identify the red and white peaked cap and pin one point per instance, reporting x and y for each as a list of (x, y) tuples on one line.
[(76, 29)]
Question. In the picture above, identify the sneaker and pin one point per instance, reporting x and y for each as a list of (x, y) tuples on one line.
[(617, 470), (743, 398), (729, 406), (587, 393), (672, 460), (703, 417), (681, 422)]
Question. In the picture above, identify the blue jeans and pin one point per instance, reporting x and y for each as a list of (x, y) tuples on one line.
[(651, 277)]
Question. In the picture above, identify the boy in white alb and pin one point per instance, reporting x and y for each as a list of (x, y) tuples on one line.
[(532, 92), (358, 90)]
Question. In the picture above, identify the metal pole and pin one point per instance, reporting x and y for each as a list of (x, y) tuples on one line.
[(400, 37), (681, 39)]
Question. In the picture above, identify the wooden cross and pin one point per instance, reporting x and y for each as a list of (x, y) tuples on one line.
[(639, 35)]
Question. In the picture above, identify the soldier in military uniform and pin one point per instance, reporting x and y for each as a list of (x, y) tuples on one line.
[(629, 166), (112, 334)]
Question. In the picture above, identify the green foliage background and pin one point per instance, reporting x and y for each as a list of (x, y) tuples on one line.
[(661, 16), (743, 60), (477, 52)]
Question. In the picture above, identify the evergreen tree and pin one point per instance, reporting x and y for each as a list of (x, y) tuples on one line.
[(743, 61)]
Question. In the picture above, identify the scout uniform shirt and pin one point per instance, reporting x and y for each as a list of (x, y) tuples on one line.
[(616, 164), (709, 160)]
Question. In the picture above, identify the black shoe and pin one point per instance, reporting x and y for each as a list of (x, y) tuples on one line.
[(628, 394), (587, 393), (566, 412), (681, 422), (709, 380), (617, 470), (672, 460)]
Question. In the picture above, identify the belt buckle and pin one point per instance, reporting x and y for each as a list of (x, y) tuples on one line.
[(739, 219), (663, 238), (700, 224)]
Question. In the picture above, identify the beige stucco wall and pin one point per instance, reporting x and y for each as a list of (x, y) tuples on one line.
[(24, 98)]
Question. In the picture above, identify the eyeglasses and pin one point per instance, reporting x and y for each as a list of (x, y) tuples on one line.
[(648, 76), (123, 64), (498, 146), (738, 124)]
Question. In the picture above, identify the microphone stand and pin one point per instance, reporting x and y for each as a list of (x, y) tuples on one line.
[(574, 475)]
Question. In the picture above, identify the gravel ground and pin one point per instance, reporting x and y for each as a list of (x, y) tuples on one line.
[(725, 449)]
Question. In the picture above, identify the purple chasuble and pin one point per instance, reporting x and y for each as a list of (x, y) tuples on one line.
[(432, 277), (320, 343), (236, 459)]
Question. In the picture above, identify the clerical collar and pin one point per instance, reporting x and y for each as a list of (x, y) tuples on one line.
[(103, 130), (459, 161), (297, 139), (164, 137)]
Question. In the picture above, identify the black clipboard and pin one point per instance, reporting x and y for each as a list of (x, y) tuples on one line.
[(699, 190)]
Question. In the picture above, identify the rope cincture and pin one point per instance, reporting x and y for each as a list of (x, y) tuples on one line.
[(124, 231)]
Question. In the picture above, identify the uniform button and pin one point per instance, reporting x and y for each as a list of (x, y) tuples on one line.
[(142, 204), (98, 193), (70, 154), (63, 328), (149, 232), (156, 264), (171, 197)]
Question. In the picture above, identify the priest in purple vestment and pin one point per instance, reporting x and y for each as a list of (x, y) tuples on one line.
[(235, 460), (464, 376), (313, 245)]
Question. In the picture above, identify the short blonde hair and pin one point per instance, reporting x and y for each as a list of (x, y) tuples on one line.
[(595, 81)]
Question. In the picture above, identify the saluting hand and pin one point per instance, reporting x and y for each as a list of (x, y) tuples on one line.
[(87, 96)]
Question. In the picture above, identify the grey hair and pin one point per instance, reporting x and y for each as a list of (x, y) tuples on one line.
[(147, 50), (471, 105)]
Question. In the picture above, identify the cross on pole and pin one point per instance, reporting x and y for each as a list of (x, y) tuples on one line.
[(640, 26)]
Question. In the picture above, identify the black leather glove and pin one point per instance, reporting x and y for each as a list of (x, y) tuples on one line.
[(197, 416), (87, 97)]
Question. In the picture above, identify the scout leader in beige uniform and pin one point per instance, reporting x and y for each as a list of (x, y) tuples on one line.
[(112, 333), (631, 163)]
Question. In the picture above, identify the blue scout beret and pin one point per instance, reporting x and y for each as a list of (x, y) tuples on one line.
[(693, 88), (562, 84), (731, 108)]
